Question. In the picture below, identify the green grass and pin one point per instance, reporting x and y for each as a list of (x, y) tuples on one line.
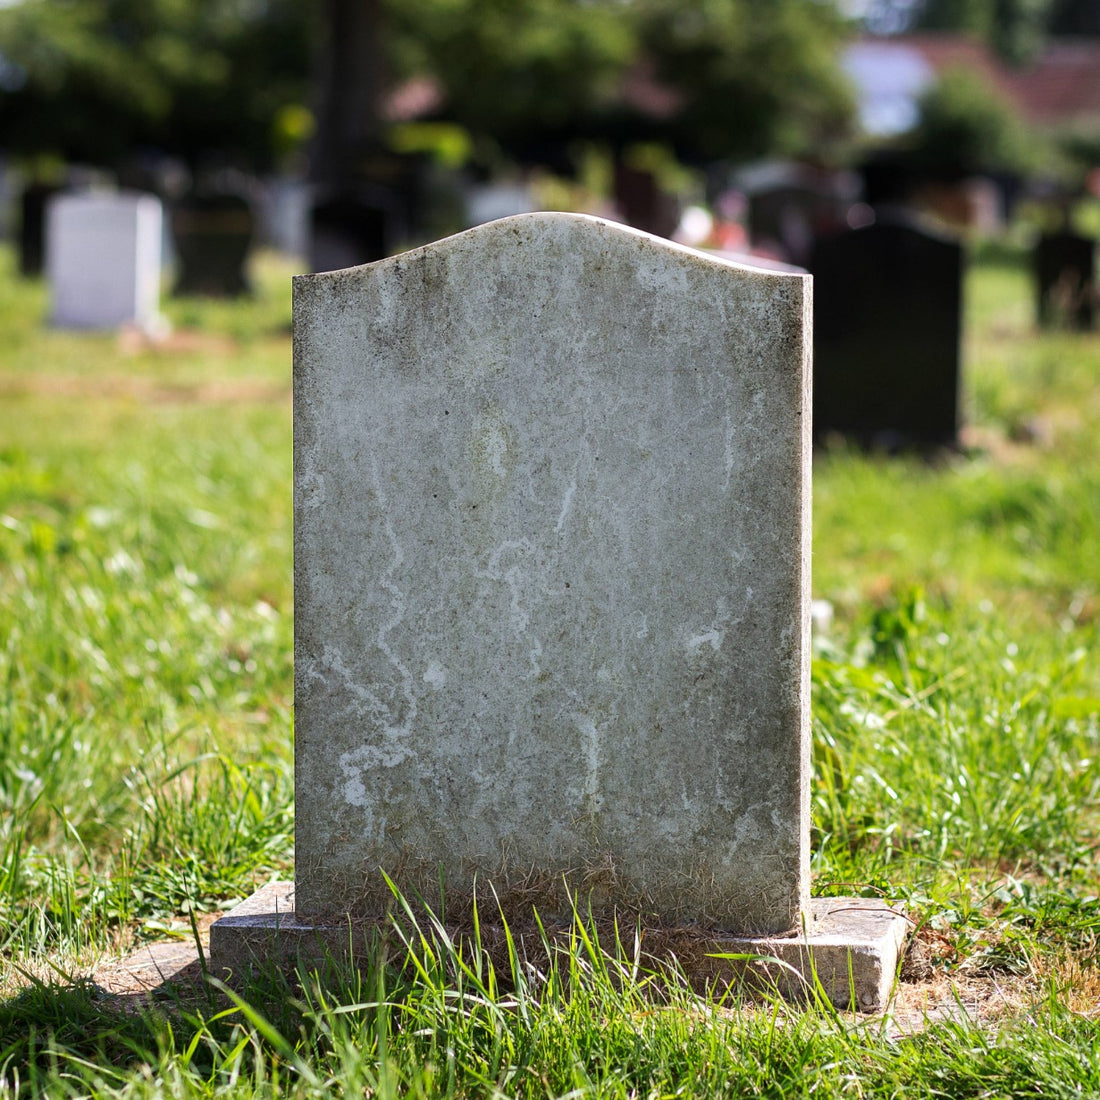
[(145, 746), (145, 604)]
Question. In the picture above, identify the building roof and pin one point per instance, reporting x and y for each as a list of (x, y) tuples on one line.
[(1061, 85)]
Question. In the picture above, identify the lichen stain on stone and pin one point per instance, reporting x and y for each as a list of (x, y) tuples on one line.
[(435, 676), (491, 449)]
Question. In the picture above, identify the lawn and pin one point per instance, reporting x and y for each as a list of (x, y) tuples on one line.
[(146, 748)]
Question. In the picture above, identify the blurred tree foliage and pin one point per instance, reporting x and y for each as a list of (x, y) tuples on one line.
[(758, 77), (510, 66), (965, 128), (713, 78), (93, 79)]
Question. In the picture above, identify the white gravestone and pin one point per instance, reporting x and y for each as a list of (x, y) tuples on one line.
[(492, 201), (103, 260), (552, 536)]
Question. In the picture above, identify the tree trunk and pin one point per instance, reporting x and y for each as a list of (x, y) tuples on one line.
[(349, 83)]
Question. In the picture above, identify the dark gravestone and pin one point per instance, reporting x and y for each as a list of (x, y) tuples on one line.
[(887, 320), (347, 229), (1064, 266), (212, 234), (367, 216), (793, 216), (642, 203), (32, 228)]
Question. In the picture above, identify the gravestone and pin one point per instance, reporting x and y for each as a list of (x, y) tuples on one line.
[(285, 214), (32, 227), (552, 597), (641, 201), (489, 202), (544, 510), (790, 216), (348, 228), (103, 260), (1064, 267), (8, 191), (887, 323), (212, 234)]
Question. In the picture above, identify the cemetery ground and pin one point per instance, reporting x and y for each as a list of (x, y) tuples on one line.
[(146, 759)]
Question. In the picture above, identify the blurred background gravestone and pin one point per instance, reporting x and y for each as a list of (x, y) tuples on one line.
[(1064, 269), (487, 202), (642, 202), (8, 191), (284, 212), (790, 206), (212, 234), (349, 228), (32, 227), (887, 328), (103, 260)]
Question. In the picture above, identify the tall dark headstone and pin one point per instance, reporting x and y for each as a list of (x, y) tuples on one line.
[(887, 324), (1064, 266)]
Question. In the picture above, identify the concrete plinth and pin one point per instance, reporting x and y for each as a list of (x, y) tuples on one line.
[(850, 948)]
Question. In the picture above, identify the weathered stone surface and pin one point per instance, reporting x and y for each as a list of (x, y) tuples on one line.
[(103, 254), (552, 577)]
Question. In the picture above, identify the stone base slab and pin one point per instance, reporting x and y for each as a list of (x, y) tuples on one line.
[(849, 951)]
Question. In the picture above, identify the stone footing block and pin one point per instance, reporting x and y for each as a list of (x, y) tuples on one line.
[(849, 950)]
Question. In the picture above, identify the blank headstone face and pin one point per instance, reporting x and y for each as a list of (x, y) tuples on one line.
[(551, 577), (103, 259), (887, 323)]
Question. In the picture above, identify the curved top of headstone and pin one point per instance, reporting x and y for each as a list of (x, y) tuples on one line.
[(553, 231)]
